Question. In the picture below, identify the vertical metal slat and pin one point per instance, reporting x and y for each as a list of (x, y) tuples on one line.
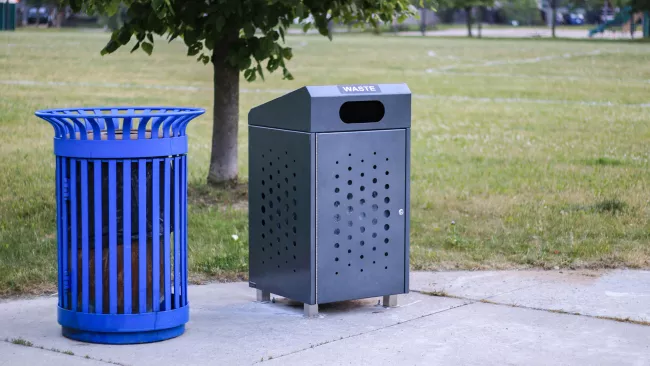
[(184, 227), (126, 232), (142, 234), (74, 274), (112, 237), (99, 228), (155, 223), (166, 249), (64, 242), (59, 230), (177, 234), (85, 277)]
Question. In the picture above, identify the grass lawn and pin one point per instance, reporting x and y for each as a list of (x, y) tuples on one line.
[(536, 150)]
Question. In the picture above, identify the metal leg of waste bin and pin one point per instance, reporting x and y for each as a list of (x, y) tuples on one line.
[(263, 296), (390, 301), (311, 310)]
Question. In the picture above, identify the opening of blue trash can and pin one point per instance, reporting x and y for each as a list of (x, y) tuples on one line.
[(121, 186)]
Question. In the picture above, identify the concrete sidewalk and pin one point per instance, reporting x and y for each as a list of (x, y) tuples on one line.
[(493, 318)]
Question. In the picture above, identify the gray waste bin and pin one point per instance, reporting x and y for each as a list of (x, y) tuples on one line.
[(329, 194)]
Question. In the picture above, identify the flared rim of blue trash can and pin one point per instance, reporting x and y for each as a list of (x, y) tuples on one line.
[(121, 112)]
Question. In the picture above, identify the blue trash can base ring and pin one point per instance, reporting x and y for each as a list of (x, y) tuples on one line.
[(116, 323), (123, 338)]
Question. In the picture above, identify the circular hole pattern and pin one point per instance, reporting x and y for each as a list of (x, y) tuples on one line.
[(374, 235), (386, 213), (374, 194), (350, 196), (349, 182), (337, 203), (363, 229), (337, 231), (386, 227), (336, 245), (386, 240), (375, 207), (350, 209)]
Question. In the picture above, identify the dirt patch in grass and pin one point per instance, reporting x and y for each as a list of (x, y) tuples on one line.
[(233, 195)]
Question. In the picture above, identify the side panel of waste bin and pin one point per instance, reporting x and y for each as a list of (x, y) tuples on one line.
[(281, 192), (361, 214)]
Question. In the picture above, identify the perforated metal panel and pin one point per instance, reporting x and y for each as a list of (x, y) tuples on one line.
[(280, 212), (360, 228)]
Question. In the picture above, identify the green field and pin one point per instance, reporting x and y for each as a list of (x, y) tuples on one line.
[(536, 150)]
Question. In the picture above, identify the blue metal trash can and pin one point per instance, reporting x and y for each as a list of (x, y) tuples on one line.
[(121, 190)]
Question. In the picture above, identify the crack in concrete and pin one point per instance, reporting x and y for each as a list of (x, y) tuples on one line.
[(486, 300), (470, 302), (21, 342)]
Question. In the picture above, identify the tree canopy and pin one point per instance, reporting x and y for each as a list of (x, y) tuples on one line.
[(204, 23)]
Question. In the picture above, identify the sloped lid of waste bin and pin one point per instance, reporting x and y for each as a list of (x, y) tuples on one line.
[(336, 108)]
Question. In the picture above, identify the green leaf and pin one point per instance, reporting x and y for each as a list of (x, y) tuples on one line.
[(124, 36), (137, 45), (281, 30), (287, 53), (221, 21), (286, 74), (249, 30), (150, 37), (173, 36), (194, 49), (190, 37), (244, 63), (147, 47), (306, 27), (110, 47), (249, 75), (204, 58)]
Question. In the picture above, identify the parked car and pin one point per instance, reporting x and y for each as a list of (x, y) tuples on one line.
[(37, 16), (574, 19)]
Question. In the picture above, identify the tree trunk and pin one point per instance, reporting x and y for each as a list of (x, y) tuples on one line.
[(553, 17), (225, 123), (423, 25), (468, 12), (480, 20)]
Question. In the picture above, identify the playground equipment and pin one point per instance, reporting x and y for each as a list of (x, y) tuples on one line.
[(627, 20)]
